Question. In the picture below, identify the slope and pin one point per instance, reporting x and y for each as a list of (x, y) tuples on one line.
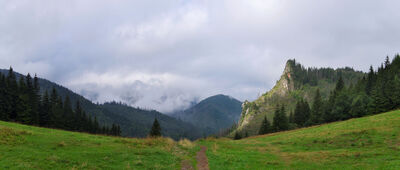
[(134, 122), (296, 82), (213, 113), (28, 147), (371, 142)]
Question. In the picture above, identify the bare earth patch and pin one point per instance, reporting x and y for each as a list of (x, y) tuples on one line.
[(202, 161)]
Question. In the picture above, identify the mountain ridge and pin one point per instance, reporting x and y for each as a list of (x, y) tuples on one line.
[(212, 114), (130, 126), (295, 82)]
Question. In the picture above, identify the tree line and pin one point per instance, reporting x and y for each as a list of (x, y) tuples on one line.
[(377, 92), (21, 101)]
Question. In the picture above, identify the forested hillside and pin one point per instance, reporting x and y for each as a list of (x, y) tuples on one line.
[(304, 97), (22, 102), (133, 122), (213, 114)]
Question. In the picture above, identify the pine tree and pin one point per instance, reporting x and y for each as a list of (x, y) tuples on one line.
[(45, 109), (281, 122), (265, 127), (359, 106), (339, 85), (301, 113), (22, 106), (155, 129), (317, 110), (67, 115), (396, 93), (79, 119), (33, 100), (96, 126), (4, 103), (13, 96), (370, 81)]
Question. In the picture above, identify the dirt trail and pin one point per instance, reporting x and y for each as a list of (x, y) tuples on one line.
[(202, 161)]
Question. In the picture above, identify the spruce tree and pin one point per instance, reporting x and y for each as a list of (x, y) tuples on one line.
[(67, 115), (301, 113), (281, 122), (317, 110), (265, 127), (45, 109), (155, 129), (13, 95), (23, 103), (370, 81), (4, 103)]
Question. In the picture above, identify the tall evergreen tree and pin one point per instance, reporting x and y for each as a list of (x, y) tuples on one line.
[(265, 127), (301, 113), (155, 129), (13, 96), (317, 110), (23, 103), (4, 103), (280, 122), (45, 109), (370, 81)]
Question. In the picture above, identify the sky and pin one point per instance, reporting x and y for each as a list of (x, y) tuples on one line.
[(167, 54)]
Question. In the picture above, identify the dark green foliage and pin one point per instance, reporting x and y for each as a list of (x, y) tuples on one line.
[(311, 76), (155, 129), (317, 110), (237, 136), (45, 110), (265, 127), (133, 122), (212, 114), (281, 122), (22, 102), (301, 113)]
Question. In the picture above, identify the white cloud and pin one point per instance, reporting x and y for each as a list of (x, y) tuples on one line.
[(163, 54)]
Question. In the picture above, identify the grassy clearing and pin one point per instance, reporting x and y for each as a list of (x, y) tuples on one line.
[(365, 143), (27, 147)]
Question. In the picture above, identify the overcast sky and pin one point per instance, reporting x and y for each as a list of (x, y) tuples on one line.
[(165, 54)]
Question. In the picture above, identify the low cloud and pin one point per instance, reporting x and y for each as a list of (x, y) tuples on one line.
[(166, 54)]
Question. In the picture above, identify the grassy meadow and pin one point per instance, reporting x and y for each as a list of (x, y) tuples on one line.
[(371, 142), (27, 147)]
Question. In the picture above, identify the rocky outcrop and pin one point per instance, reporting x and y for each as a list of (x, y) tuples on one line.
[(282, 88)]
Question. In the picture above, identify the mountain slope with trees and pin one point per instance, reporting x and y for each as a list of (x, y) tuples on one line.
[(296, 83), (375, 92), (133, 122), (212, 114)]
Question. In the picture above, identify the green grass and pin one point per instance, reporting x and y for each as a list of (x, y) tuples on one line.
[(27, 147), (371, 142), (365, 143)]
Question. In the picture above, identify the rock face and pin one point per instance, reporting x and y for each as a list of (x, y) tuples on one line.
[(295, 82), (281, 90)]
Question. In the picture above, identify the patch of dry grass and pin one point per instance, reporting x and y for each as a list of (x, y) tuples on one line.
[(185, 143)]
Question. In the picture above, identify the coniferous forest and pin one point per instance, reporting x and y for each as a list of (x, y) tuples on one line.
[(22, 102), (378, 91)]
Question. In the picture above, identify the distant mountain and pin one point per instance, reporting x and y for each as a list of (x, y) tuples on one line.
[(212, 114), (296, 82), (134, 122)]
